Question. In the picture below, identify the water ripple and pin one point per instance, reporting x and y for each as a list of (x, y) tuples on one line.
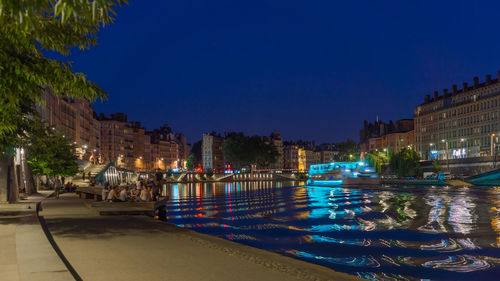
[(383, 233)]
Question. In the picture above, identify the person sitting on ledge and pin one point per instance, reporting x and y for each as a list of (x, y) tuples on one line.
[(114, 195), (104, 193), (124, 194), (145, 196), (135, 193)]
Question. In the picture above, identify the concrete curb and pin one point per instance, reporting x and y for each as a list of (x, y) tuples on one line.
[(53, 243)]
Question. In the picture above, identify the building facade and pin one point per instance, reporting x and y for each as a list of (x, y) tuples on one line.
[(163, 155), (389, 137), (328, 156), (75, 119), (312, 158), (461, 123), (212, 157)]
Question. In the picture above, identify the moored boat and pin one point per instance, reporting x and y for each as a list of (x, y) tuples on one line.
[(342, 173)]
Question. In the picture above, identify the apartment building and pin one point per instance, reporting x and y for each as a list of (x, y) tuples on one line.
[(460, 123)]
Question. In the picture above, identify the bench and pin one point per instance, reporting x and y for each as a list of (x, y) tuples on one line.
[(129, 208), (91, 192)]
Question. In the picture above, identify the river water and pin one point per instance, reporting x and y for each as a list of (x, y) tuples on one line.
[(382, 233)]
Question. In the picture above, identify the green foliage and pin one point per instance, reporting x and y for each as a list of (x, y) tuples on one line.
[(190, 162), (243, 151), (348, 151), (435, 167), (378, 160), (49, 153), (209, 174), (29, 27), (406, 163), (196, 150)]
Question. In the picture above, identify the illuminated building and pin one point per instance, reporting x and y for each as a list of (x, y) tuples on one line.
[(125, 143), (165, 133), (291, 157), (296, 157), (163, 154), (117, 139), (74, 118), (312, 158), (460, 123), (211, 152), (380, 136), (301, 160)]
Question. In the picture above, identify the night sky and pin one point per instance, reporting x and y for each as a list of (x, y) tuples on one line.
[(310, 69)]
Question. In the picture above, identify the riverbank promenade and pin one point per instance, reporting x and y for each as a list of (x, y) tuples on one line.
[(25, 253), (140, 248)]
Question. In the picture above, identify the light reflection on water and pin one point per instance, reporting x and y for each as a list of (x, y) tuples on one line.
[(424, 232)]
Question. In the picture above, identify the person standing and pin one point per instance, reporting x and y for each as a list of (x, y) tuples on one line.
[(57, 187)]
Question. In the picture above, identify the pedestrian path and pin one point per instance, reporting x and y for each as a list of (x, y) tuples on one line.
[(140, 248), (26, 254)]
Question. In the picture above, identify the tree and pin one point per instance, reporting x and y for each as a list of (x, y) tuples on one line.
[(190, 163), (237, 150), (406, 163), (243, 151), (377, 160), (435, 167), (30, 26), (27, 28), (196, 151), (49, 153), (348, 150)]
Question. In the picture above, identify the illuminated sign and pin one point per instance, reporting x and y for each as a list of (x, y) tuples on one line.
[(434, 154), (459, 153)]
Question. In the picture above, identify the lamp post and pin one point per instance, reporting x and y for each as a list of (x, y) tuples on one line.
[(462, 141), (386, 154), (430, 149), (446, 153), (493, 152)]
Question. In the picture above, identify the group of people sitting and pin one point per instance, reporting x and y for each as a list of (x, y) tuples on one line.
[(70, 187), (142, 191)]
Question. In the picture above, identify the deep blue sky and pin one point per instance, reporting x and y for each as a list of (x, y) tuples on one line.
[(309, 69)]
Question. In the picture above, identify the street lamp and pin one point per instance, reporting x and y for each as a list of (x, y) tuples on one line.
[(430, 149), (462, 141), (446, 153), (493, 152)]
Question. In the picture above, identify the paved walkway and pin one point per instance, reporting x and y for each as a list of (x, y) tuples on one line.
[(140, 248), (25, 253)]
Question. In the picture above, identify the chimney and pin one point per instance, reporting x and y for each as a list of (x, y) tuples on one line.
[(427, 98), (454, 89), (498, 75), (488, 79), (436, 95), (464, 86), (445, 93), (476, 82)]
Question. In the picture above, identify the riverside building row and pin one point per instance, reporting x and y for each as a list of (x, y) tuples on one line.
[(461, 123), (104, 139), (292, 156)]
